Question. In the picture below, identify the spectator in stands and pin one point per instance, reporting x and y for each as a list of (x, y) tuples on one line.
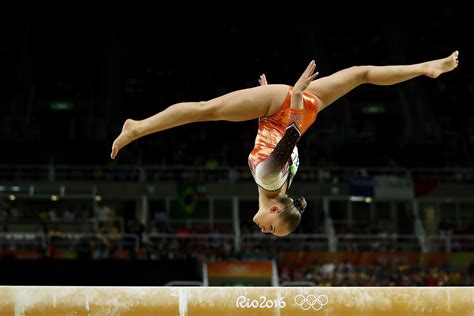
[(68, 215), (7, 252)]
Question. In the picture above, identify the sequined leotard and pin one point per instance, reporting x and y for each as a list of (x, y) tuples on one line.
[(274, 158)]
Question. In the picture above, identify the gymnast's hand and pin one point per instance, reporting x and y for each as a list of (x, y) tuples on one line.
[(263, 80), (302, 84), (306, 78)]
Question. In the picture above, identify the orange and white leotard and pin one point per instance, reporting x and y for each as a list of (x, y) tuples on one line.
[(274, 158)]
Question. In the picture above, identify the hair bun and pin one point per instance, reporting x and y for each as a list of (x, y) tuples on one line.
[(300, 204)]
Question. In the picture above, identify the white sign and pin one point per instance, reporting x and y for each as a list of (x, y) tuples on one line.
[(262, 302)]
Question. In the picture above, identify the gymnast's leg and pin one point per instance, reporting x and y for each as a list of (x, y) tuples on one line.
[(331, 88), (241, 105)]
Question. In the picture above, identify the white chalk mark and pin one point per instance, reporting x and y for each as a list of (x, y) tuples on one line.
[(449, 300), (19, 309), (183, 302), (86, 303), (278, 298)]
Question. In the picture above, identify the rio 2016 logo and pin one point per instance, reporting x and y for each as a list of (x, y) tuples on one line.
[(311, 301), (262, 302)]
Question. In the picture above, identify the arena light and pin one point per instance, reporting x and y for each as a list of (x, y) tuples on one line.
[(98, 198), (373, 109), (54, 198), (11, 197), (61, 106), (366, 199)]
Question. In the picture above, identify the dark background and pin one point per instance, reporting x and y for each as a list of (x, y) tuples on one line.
[(109, 71)]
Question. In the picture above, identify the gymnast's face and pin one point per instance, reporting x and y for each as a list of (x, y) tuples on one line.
[(269, 221)]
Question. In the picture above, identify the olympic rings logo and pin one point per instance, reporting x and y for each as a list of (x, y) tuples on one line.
[(311, 301)]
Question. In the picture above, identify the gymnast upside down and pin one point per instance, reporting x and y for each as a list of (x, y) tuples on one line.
[(284, 114)]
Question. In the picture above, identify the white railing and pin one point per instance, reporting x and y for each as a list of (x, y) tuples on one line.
[(22, 241), (375, 242), (450, 243), (15, 224), (65, 241), (123, 241), (207, 239), (250, 242), (290, 242), (187, 242), (152, 173)]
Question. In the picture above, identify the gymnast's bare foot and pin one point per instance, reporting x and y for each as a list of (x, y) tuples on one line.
[(127, 136), (437, 67)]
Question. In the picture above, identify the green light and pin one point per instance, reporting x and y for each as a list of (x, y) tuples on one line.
[(61, 106), (373, 109)]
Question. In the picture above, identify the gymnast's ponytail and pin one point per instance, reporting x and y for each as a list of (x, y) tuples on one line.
[(292, 210), (300, 204)]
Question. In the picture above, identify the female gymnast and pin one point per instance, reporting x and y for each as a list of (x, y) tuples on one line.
[(285, 113)]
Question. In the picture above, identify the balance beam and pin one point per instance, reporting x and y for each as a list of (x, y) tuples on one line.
[(196, 301)]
